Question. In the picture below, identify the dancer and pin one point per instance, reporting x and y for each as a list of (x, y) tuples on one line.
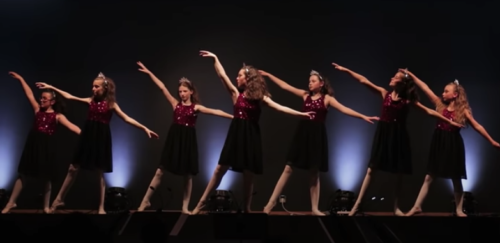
[(391, 146), (94, 151), (38, 156), (309, 148), (242, 150), (180, 153), (447, 152)]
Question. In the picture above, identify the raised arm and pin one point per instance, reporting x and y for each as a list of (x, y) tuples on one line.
[(65, 122), (436, 114), (362, 79), (284, 85), (214, 112), (133, 122), (480, 129), (423, 86), (173, 101), (331, 101), (285, 109), (233, 91), (64, 94), (27, 91)]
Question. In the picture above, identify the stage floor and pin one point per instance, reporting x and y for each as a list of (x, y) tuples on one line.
[(172, 226)]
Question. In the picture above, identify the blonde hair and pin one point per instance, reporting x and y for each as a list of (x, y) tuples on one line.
[(461, 104)]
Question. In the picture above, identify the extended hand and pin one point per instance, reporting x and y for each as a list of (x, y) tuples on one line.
[(338, 67), (457, 124), (370, 119), (143, 68), (151, 134), (495, 144), (15, 75), (405, 70), (309, 114), (207, 54), (41, 85), (264, 73)]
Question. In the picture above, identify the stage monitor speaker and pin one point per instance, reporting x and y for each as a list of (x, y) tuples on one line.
[(240, 226)]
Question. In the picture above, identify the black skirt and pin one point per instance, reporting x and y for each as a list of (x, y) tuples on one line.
[(447, 155), (38, 156), (243, 147), (391, 150), (309, 148), (95, 151), (180, 153)]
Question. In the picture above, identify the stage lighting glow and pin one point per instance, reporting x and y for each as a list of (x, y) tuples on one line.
[(473, 158), (220, 202), (213, 148), (342, 202), (7, 156), (123, 157)]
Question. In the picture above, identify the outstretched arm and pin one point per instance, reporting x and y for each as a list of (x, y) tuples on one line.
[(480, 129), (348, 111), (284, 85), (362, 79), (423, 86), (65, 122), (173, 101), (285, 109), (27, 91), (64, 94), (233, 91), (133, 122), (214, 112), (436, 114)]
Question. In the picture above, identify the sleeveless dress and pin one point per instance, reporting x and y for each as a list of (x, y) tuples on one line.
[(180, 152), (309, 148), (391, 150), (94, 151), (447, 152), (243, 146), (39, 153)]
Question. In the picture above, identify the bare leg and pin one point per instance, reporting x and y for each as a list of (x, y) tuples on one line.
[(417, 207), (248, 190), (397, 192), (362, 191), (287, 172), (18, 187), (314, 189), (46, 196), (102, 187), (188, 186), (68, 182), (219, 173), (155, 182), (459, 197)]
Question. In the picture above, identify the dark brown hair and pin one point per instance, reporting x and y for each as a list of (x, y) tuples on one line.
[(256, 87), (407, 89), (195, 99), (59, 106), (326, 89)]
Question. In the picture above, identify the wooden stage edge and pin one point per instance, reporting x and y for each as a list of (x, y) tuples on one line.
[(277, 213)]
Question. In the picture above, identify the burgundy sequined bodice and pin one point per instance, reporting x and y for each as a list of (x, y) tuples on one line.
[(394, 111), (446, 126), (318, 106), (185, 115), (246, 109), (99, 112), (45, 122)]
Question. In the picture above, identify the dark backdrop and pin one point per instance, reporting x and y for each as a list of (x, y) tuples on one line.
[(68, 44)]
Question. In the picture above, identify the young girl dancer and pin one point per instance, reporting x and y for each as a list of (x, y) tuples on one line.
[(242, 150), (309, 148), (38, 156), (391, 146), (447, 152), (94, 151), (180, 153)]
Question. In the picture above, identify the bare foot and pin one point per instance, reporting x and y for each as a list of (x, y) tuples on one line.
[(461, 214), (8, 207), (318, 213), (55, 204), (47, 210), (414, 211), (354, 211), (398, 212), (101, 211), (143, 206), (269, 207), (199, 207), (186, 211)]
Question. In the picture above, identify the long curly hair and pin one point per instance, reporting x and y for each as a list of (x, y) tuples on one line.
[(109, 94), (407, 89), (59, 106), (195, 99), (256, 87), (326, 89), (461, 104)]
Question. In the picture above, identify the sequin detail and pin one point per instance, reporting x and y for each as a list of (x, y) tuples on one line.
[(185, 115), (99, 112), (317, 106), (446, 126), (394, 111), (45, 122), (246, 109)]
